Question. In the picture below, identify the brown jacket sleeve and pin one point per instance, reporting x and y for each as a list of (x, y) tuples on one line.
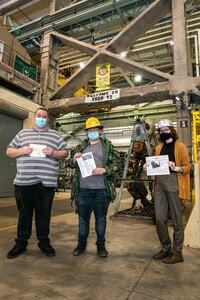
[(182, 160)]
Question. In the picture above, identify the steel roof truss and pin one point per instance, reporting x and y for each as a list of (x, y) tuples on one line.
[(79, 78)]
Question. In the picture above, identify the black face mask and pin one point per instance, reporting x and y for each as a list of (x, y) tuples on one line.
[(165, 136)]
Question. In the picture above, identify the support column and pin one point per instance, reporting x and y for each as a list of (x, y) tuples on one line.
[(49, 65), (181, 70), (37, 96), (189, 58), (179, 38), (192, 229), (52, 6), (45, 65), (184, 123)]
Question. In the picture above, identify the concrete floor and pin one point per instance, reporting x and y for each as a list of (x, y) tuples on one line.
[(127, 273)]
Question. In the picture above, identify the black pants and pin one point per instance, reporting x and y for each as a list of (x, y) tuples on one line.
[(29, 198)]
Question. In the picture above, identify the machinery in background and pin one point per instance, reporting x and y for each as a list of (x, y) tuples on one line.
[(143, 143), (64, 177)]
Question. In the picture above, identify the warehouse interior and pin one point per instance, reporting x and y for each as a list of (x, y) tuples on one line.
[(49, 53)]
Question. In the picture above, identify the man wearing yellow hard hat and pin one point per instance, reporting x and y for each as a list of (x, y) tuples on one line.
[(93, 193)]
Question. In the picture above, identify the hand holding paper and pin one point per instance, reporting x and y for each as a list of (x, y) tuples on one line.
[(37, 150), (157, 165), (98, 171), (86, 164), (26, 150)]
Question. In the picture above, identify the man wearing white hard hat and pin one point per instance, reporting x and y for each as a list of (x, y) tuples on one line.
[(170, 190)]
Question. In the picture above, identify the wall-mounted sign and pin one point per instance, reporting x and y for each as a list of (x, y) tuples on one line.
[(102, 77), (103, 96), (183, 124), (24, 68)]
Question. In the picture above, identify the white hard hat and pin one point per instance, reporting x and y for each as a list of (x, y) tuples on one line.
[(164, 123)]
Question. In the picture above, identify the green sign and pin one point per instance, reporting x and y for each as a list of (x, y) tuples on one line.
[(24, 68)]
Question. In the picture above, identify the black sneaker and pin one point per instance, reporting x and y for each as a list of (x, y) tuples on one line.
[(101, 251), (48, 250), (15, 251), (79, 250)]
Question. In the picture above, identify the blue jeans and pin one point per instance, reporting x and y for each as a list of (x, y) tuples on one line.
[(89, 200)]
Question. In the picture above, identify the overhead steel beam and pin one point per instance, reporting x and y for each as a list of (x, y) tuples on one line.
[(127, 113), (150, 16), (11, 5), (127, 78), (76, 44), (82, 76), (77, 80), (135, 67), (130, 96), (70, 16)]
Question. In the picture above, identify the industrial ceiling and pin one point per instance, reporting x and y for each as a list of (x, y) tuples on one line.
[(97, 22), (98, 25)]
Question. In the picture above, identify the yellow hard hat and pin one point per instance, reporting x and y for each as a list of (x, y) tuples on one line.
[(92, 122)]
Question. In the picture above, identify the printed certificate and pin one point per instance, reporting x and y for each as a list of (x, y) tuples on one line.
[(86, 164), (157, 165)]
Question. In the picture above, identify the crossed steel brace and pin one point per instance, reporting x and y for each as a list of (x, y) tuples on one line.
[(111, 51)]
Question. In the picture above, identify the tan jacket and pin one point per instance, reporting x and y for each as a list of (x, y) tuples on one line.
[(182, 160)]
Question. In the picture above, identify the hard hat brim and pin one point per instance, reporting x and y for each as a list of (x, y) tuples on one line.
[(94, 126)]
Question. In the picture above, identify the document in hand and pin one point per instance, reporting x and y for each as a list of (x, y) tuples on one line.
[(157, 165), (37, 150), (86, 164)]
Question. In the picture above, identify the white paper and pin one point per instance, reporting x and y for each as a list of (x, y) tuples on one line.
[(37, 150), (157, 165), (86, 164)]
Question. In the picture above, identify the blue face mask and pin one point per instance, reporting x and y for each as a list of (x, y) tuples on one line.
[(40, 122), (93, 135)]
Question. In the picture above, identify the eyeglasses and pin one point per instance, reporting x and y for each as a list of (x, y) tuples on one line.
[(165, 130), (93, 129)]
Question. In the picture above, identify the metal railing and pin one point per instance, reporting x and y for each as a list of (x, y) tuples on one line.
[(8, 58)]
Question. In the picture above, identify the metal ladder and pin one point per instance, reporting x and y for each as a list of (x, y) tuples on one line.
[(139, 127)]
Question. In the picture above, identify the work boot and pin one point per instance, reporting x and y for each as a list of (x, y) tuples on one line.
[(101, 251), (48, 250), (174, 258), (79, 250), (161, 254), (15, 252)]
